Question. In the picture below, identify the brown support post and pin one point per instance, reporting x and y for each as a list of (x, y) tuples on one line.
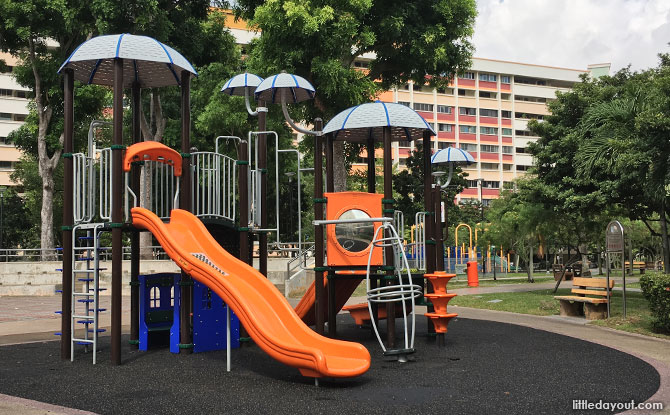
[(330, 187), (117, 211), (439, 244), (135, 236), (243, 190), (370, 147), (185, 311), (262, 167), (66, 300), (318, 230), (372, 188), (428, 203), (388, 212)]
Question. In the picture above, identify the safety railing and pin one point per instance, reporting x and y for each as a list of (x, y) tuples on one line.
[(83, 203), (418, 248), (300, 262), (105, 187), (214, 185)]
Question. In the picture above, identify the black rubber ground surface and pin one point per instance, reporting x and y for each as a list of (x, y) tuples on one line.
[(485, 368)]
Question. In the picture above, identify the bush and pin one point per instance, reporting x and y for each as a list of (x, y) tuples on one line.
[(656, 289)]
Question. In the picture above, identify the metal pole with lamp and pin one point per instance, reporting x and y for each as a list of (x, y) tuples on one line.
[(439, 239), (2, 207)]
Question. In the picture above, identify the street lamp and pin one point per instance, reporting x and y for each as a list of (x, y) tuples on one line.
[(439, 232), (2, 202), (493, 262)]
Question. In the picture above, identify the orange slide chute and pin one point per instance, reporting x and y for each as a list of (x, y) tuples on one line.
[(261, 308)]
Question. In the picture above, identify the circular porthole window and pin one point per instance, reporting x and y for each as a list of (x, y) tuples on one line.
[(354, 237)]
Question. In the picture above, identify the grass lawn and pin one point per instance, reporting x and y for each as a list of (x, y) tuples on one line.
[(542, 303)]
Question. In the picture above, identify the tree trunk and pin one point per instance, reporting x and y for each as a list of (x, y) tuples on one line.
[(530, 264), (664, 238), (585, 259), (47, 242), (600, 263), (339, 170)]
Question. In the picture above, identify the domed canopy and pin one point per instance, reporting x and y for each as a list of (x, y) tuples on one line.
[(368, 120), (451, 155), (146, 60), (297, 88), (237, 84)]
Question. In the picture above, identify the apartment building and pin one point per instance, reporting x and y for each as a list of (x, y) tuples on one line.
[(13, 112), (486, 112)]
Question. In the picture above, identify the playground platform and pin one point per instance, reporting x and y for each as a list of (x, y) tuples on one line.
[(493, 362)]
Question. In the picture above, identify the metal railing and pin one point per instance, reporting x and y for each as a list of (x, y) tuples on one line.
[(105, 188), (418, 248), (214, 185), (83, 203), (300, 262)]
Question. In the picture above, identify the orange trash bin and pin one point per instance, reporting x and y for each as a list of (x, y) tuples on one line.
[(473, 274)]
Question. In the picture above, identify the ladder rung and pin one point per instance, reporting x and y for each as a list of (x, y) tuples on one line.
[(84, 322), (86, 258), (99, 330), (82, 341), (84, 317), (99, 289), (85, 279), (58, 333), (100, 310), (59, 291), (58, 312), (86, 238), (59, 269), (84, 301)]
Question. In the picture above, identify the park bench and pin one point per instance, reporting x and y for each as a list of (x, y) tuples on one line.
[(641, 265), (593, 307)]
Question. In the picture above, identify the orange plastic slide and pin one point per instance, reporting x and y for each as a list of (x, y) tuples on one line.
[(262, 309)]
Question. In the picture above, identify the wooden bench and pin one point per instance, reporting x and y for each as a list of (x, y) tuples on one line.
[(641, 265), (593, 308)]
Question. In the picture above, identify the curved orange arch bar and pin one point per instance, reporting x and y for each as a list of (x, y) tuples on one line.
[(153, 151)]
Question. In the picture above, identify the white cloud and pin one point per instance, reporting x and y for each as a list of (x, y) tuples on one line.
[(573, 33)]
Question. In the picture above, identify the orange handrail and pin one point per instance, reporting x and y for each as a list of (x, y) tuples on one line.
[(153, 151)]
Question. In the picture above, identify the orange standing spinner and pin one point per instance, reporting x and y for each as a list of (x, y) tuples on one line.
[(350, 243)]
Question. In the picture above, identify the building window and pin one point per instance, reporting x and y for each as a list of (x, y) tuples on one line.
[(483, 112), (361, 64), (445, 91), (472, 183), (507, 167), (521, 150), (506, 131), (487, 77), (505, 79), (529, 81), (468, 75), (520, 167), (467, 129), (5, 92), (489, 166), (445, 127), (487, 94), (528, 116), (20, 117), (524, 133), (405, 103), (489, 148), (419, 106), (444, 109), (4, 116), (529, 99), (486, 184), (467, 111), (506, 114), (403, 143), (21, 94), (468, 147), (466, 92), (422, 88), (508, 149), (488, 130), (505, 97), (444, 144)]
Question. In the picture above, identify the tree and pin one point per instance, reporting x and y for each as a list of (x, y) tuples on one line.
[(422, 41)]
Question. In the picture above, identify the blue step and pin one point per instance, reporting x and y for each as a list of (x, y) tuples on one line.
[(58, 312), (84, 300), (100, 310), (58, 333), (99, 289), (59, 269), (84, 322), (85, 238), (99, 330), (59, 291), (86, 258), (85, 279), (84, 343)]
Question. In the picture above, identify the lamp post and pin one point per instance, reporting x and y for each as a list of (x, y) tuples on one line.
[(290, 175), (2, 203), (439, 239), (493, 263)]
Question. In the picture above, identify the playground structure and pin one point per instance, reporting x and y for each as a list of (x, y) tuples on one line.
[(103, 193)]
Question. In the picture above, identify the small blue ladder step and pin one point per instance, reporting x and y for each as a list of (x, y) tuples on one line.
[(85, 300), (59, 269), (58, 312), (84, 322), (58, 333), (85, 238), (99, 289), (59, 291), (99, 330), (85, 279)]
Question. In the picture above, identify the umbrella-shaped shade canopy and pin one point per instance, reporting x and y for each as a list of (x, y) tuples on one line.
[(368, 120), (452, 155), (296, 87), (237, 84), (145, 60)]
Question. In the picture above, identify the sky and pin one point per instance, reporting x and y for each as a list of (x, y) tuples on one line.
[(573, 33)]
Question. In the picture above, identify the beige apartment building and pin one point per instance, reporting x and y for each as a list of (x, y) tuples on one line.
[(486, 112), (13, 112)]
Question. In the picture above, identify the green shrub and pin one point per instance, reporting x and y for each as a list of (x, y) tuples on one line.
[(656, 289)]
